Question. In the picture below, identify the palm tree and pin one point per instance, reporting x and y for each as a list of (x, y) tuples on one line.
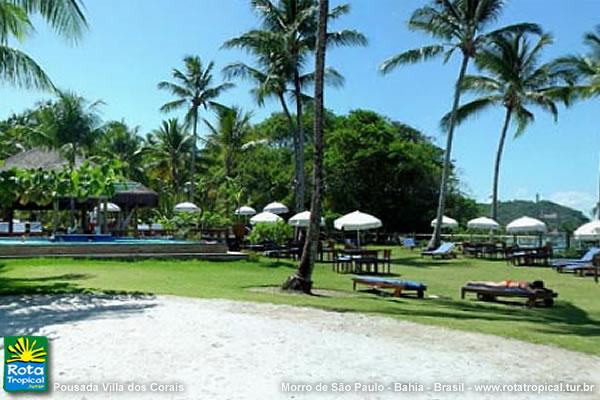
[(302, 280), (167, 151), (193, 89), (291, 24), (515, 81), (269, 77), (17, 68), (584, 69), (71, 124), (460, 25), (227, 137), (117, 141)]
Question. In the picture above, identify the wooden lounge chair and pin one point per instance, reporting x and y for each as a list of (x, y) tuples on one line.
[(446, 250), (490, 293), (587, 258), (396, 284)]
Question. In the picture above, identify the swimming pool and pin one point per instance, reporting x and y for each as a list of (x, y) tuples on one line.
[(121, 248), (14, 241)]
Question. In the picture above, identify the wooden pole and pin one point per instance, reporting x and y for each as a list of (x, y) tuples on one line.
[(105, 216)]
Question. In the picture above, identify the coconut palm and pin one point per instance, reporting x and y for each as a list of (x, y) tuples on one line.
[(168, 149), (227, 136), (117, 141), (193, 89), (291, 24), (460, 25), (269, 78), (516, 81), (70, 123), (16, 67), (584, 70), (302, 280)]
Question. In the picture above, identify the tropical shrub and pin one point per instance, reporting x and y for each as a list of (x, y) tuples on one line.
[(278, 233)]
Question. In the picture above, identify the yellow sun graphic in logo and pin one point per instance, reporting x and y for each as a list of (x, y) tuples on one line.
[(26, 352)]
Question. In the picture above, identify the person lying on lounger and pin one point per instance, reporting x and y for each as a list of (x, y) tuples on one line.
[(533, 286)]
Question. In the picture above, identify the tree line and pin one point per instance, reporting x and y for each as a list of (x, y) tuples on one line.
[(510, 74)]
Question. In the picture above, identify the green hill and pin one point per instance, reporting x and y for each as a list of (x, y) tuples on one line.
[(554, 215)]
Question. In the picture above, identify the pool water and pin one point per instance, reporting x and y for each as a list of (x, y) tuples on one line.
[(117, 241)]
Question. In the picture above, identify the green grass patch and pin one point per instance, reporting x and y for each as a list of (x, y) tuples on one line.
[(574, 322)]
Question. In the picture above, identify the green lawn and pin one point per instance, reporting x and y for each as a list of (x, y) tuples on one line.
[(574, 323)]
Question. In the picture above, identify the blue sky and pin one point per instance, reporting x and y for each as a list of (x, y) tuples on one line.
[(133, 44)]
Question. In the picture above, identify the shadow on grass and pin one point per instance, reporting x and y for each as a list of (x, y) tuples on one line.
[(278, 264), (564, 318), (421, 262), (27, 304)]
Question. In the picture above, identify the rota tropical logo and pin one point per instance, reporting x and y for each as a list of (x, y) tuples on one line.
[(25, 363)]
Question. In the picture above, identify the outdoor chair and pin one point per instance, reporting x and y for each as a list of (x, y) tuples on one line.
[(366, 262), (446, 250), (409, 243), (19, 227), (35, 227), (533, 292), (341, 263), (587, 258), (385, 283), (386, 261)]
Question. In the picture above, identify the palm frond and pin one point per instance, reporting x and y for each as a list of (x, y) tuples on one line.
[(411, 57), (66, 17), (347, 37), (523, 117), (14, 22), (480, 84), (470, 110), (17, 68), (173, 105)]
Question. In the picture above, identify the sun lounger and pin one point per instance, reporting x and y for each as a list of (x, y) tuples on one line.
[(35, 227), (396, 284), (446, 250), (409, 243), (19, 227), (587, 258), (490, 293), (580, 269)]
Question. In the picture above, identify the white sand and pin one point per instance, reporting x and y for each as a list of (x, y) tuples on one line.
[(232, 350)]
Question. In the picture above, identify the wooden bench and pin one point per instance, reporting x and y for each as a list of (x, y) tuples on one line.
[(396, 284), (488, 293)]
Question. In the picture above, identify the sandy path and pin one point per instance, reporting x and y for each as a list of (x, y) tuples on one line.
[(219, 349)]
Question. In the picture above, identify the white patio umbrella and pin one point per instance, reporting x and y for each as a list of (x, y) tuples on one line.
[(526, 225), (245, 210), (302, 220), (588, 232), (483, 223), (187, 207), (265, 217), (447, 222), (110, 207), (357, 221), (276, 208)]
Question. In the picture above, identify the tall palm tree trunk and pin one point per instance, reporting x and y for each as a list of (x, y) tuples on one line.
[(193, 166), (299, 145), (288, 116), (302, 280), (437, 231), (497, 163)]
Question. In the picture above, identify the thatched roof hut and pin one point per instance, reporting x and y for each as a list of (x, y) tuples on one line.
[(128, 194), (46, 159), (133, 194)]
